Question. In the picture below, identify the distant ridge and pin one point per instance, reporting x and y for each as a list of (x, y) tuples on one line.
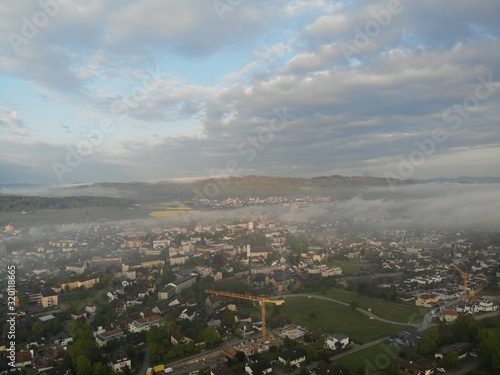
[(232, 187), (21, 186), (464, 180)]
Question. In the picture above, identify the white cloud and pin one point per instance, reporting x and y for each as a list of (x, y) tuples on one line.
[(93, 55), (11, 123)]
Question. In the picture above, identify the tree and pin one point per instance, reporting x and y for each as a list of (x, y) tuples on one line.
[(167, 275), (364, 289), (487, 348), (37, 329), (56, 326), (169, 325), (392, 294), (83, 366), (23, 299), (151, 302), (426, 346), (131, 350), (289, 343), (211, 337), (304, 371), (227, 318), (154, 336), (84, 344), (354, 305), (240, 356), (451, 359), (465, 328), (445, 333), (100, 369), (287, 367)]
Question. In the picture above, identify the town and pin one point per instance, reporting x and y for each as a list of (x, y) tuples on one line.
[(256, 294)]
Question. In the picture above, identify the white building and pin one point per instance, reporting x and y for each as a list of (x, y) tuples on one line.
[(119, 361), (144, 324), (337, 341)]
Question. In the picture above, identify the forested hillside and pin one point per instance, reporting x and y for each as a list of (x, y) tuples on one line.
[(30, 203)]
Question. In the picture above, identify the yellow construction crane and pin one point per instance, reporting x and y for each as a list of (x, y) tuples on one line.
[(261, 300), (465, 276)]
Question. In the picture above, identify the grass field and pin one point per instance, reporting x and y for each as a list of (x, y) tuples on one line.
[(168, 209), (170, 212), (73, 215), (388, 310), (80, 303), (376, 357), (333, 318), (350, 267)]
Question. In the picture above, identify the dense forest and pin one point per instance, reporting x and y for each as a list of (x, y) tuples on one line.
[(30, 203)]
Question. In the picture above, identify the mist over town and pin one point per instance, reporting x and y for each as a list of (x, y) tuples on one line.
[(249, 187)]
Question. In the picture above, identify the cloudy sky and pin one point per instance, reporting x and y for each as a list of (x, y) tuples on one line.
[(145, 90)]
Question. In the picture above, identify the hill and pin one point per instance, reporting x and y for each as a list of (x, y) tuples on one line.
[(231, 187), (13, 203)]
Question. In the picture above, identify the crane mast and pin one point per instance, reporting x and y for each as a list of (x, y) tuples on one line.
[(465, 276), (261, 300)]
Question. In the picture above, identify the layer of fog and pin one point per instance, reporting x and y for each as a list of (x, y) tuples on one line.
[(468, 206), (433, 206)]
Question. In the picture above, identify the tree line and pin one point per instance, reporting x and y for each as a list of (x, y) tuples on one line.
[(9, 203)]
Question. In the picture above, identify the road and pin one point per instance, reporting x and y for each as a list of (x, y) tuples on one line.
[(466, 368), (197, 361), (363, 311), (145, 362)]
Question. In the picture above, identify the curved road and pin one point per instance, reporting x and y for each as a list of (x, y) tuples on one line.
[(419, 326), (426, 323)]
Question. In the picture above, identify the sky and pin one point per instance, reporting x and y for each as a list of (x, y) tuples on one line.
[(122, 90)]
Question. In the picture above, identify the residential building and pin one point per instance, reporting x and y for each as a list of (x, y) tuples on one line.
[(86, 284), (461, 348), (184, 282), (221, 369), (325, 368), (259, 368), (178, 259), (450, 315), (294, 357), (46, 298), (103, 338), (406, 367), (24, 358), (337, 341), (406, 338), (119, 361), (78, 268), (280, 280), (144, 324), (167, 292), (178, 338)]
